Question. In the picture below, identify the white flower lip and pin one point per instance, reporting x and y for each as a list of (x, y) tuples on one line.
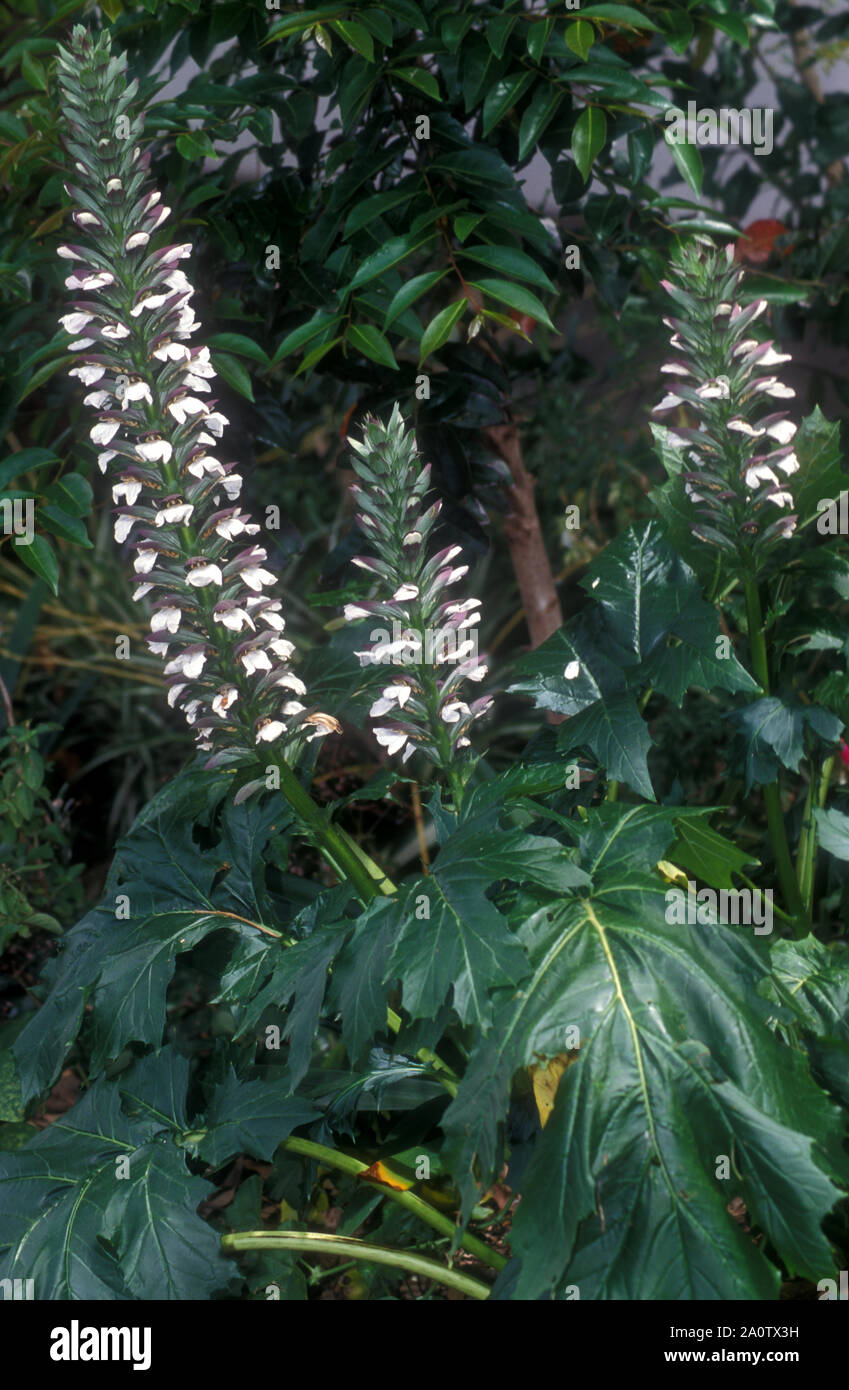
[(201, 575), (166, 619)]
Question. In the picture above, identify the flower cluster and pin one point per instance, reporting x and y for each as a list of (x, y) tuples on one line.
[(736, 462), (213, 617), (421, 706)]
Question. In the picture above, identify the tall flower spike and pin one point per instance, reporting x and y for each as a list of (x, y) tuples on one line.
[(213, 619), (737, 461), (430, 645)]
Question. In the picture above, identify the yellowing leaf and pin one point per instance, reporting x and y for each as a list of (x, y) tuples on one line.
[(545, 1081)]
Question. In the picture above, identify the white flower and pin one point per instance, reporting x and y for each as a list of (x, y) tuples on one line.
[(90, 282), (676, 369), (123, 527), (185, 406), (255, 661), (270, 730), (234, 619), (136, 391), (226, 697), (128, 490), (353, 612), (88, 374), (114, 331), (789, 464), (205, 464), (572, 670), (174, 694), (293, 683), (453, 710), (144, 561), (136, 239), (148, 301), (669, 401), (113, 185), (97, 399), (104, 431), (718, 390), (155, 450), (390, 739), (173, 352), (86, 219), (255, 577), (743, 427), (216, 422), (75, 323), (104, 458), (232, 485), (412, 538), (69, 254), (174, 514), (188, 663), (202, 575), (406, 592), (166, 619), (782, 430), (281, 648)]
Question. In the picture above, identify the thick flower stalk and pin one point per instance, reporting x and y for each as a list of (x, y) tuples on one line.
[(737, 458), (427, 639), (214, 618)]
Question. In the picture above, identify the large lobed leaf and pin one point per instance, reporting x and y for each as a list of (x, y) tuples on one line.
[(677, 1067)]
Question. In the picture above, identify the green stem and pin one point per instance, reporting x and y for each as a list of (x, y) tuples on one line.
[(772, 797), (345, 1163), (805, 850), (314, 1243), (817, 795)]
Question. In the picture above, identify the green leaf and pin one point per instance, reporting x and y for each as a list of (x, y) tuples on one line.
[(615, 731), (163, 895), (588, 137), (75, 1211), (833, 832), (770, 735), (688, 161), (509, 260), (72, 493), (305, 332), (619, 14), (371, 343), (410, 292), (710, 856), (439, 329), (449, 937), (498, 31), (516, 297), (665, 1026), (821, 465), (195, 144), (640, 151), (240, 345), (580, 37), (68, 528), (538, 31), (40, 557), (537, 116), (356, 36), (397, 249), (730, 24), (502, 96), (419, 78), (251, 1117), (23, 461), (233, 373)]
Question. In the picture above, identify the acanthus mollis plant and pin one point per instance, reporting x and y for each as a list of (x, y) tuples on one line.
[(220, 632), (214, 619), (430, 648), (737, 458)]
